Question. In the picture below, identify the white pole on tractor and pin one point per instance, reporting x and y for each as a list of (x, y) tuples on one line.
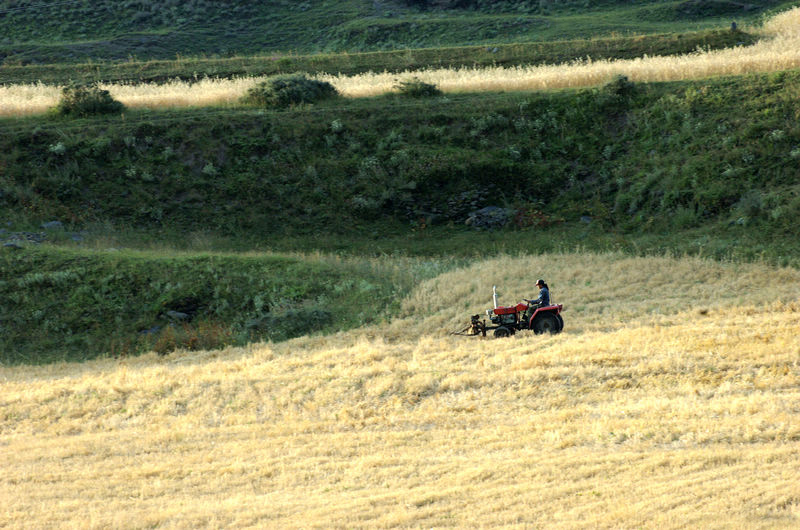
[(494, 295)]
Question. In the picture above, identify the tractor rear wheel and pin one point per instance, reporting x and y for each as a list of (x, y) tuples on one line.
[(560, 323), (546, 323), (502, 332)]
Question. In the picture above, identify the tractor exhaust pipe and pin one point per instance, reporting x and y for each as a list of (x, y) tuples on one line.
[(494, 295)]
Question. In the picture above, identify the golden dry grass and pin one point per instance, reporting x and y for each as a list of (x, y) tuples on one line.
[(778, 50), (671, 400)]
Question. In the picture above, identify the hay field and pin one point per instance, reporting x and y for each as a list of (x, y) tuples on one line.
[(671, 400), (778, 50)]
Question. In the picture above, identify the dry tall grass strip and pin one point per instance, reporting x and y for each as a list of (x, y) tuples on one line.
[(649, 411), (779, 50)]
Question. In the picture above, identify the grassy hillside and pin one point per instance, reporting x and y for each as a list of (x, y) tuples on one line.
[(634, 157), (80, 30), (692, 407)]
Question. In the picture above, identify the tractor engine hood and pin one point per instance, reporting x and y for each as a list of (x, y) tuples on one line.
[(519, 308)]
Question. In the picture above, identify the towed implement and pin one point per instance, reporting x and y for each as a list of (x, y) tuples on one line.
[(507, 320)]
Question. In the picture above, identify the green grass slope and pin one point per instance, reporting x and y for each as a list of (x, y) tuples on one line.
[(81, 30), (636, 158), (58, 304)]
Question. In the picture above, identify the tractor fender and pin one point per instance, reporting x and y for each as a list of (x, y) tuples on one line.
[(552, 309), (548, 309)]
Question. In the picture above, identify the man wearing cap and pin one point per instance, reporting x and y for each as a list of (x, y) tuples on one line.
[(544, 295)]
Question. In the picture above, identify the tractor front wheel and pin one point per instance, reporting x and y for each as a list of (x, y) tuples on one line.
[(502, 332), (546, 323)]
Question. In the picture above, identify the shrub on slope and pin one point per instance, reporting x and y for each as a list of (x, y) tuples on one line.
[(288, 90), (87, 100)]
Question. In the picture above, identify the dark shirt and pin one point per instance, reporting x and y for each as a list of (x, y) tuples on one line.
[(544, 298)]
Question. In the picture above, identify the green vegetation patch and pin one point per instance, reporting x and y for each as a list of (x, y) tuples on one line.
[(416, 88), (72, 305)]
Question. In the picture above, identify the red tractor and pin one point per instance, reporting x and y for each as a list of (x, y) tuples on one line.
[(510, 319)]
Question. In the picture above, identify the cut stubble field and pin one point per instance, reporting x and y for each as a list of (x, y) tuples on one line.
[(671, 400)]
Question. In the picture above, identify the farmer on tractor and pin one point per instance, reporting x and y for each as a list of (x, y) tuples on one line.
[(544, 295), (536, 315)]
